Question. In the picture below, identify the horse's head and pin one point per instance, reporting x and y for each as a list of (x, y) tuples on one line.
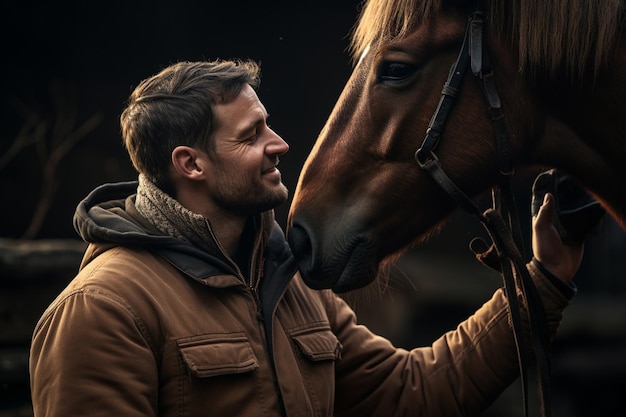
[(361, 197)]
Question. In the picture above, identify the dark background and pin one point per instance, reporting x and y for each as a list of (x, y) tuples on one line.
[(90, 55), (71, 65)]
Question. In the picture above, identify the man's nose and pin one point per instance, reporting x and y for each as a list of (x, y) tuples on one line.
[(276, 145)]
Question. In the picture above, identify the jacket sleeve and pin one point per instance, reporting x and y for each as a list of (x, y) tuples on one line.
[(90, 357), (461, 374)]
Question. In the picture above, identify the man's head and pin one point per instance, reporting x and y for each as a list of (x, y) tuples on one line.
[(176, 107), (199, 131)]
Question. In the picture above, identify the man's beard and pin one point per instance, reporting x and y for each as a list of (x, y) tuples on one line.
[(252, 199)]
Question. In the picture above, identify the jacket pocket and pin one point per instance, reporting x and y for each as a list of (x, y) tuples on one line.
[(317, 351), (318, 345), (217, 354)]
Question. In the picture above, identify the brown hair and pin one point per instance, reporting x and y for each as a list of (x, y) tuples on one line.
[(175, 107)]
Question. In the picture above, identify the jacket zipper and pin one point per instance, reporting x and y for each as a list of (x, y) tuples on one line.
[(255, 276), (254, 289), (255, 280)]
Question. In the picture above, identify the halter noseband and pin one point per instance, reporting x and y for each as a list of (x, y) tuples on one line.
[(506, 237)]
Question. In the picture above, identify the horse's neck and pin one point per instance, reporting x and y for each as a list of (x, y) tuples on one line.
[(586, 136)]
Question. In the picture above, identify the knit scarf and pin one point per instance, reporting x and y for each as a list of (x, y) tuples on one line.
[(172, 219)]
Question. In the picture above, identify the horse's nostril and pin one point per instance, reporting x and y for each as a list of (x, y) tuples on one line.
[(301, 246)]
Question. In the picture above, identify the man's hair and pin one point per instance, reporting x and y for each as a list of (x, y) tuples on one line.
[(175, 107)]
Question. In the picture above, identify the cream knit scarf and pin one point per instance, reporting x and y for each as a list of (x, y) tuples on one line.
[(172, 219)]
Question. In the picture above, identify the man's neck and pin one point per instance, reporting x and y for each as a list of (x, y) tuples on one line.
[(228, 231)]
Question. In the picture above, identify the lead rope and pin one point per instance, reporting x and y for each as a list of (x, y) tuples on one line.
[(506, 236), (518, 283), (510, 238)]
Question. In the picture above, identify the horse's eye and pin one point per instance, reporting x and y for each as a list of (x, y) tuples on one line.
[(395, 72)]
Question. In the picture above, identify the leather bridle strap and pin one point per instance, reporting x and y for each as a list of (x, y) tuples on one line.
[(506, 236), (425, 155), (504, 200)]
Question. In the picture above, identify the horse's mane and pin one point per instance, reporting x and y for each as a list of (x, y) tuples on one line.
[(565, 37)]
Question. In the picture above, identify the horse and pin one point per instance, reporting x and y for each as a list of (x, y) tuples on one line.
[(555, 71)]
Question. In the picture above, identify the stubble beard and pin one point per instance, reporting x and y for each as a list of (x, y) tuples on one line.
[(253, 199)]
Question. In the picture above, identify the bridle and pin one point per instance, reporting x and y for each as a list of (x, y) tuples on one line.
[(506, 236)]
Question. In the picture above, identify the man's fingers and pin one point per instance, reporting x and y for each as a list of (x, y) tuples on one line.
[(546, 211)]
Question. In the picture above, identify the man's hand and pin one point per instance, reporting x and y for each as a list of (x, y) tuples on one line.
[(562, 260)]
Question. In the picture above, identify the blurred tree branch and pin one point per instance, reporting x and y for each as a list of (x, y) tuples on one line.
[(53, 137)]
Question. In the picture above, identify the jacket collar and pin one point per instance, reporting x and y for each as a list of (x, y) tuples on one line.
[(108, 216)]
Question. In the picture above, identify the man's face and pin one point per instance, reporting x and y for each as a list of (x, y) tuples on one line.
[(244, 178)]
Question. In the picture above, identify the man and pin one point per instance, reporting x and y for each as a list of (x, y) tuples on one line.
[(188, 302)]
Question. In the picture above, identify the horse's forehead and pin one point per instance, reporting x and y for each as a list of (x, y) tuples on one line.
[(363, 54)]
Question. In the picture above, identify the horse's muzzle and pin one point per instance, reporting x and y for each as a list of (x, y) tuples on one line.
[(325, 264)]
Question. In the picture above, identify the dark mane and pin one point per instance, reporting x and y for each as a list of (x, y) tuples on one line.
[(565, 37)]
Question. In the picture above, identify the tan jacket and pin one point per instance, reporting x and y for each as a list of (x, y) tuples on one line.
[(156, 332)]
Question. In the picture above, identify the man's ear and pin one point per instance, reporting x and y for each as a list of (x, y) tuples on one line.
[(186, 162)]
